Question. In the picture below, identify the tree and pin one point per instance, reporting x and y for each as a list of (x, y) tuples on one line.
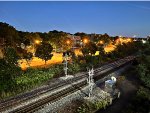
[(8, 70), (7, 73), (28, 57), (89, 48), (43, 51), (101, 50), (89, 51), (24, 38), (23, 54), (85, 51), (58, 39), (81, 34), (9, 34), (106, 38), (44, 36), (11, 56), (96, 38)]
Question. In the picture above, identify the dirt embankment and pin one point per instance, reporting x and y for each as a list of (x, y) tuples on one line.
[(128, 88)]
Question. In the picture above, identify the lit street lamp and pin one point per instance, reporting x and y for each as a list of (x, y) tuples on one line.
[(85, 41), (37, 41), (68, 42), (143, 41), (101, 42)]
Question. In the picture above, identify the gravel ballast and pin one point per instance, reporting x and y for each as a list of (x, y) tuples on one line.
[(81, 94)]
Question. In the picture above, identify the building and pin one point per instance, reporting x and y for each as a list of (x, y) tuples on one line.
[(76, 40)]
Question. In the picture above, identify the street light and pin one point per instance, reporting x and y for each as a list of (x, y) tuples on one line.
[(143, 41), (85, 41), (101, 42), (37, 41), (68, 42)]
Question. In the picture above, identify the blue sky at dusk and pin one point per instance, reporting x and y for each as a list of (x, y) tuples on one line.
[(115, 18)]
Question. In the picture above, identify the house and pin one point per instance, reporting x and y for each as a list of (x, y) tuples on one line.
[(76, 40)]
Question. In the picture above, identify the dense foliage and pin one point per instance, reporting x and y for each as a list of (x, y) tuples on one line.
[(89, 48), (89, 107), (143, 68), (44, 51), (141, 101), (13, 80), (8, 71), (9, 33)]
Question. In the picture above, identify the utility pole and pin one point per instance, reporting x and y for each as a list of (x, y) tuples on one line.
[(90, 81), (65, 57), (66, 64)]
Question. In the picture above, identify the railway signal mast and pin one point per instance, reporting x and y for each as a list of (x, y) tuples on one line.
[(66, 66), (90, 81)]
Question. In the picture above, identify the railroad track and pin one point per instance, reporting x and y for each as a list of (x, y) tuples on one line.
[(52, 98), (7, 104)]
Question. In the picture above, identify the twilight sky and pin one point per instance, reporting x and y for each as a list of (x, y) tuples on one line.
[(115, 18)]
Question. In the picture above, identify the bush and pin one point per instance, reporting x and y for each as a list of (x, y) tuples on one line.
[(100, 105), (143, 93), (11, 84), (7, 74), (73, 68), (140, 103), (89, 107), (143, 70), (82, 109), (35, 77)]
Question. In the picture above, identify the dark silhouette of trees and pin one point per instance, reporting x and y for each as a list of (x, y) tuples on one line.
[(8, 33), (24, 37), (89, 49), (44, 51), (10, 56), (28, 57), (81, 34), (58, 40), (8, 70)]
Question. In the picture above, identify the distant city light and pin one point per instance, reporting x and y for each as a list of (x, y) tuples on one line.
[(129, 40), (143, 41)]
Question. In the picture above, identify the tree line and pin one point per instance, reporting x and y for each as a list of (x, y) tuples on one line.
[(14, 44)]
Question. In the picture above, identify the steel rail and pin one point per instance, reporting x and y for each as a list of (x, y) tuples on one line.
[(105, 67)]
